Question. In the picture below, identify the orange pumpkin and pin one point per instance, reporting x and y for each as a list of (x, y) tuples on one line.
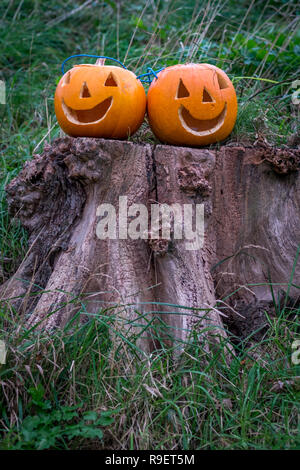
[(96, 100), (193, 104)]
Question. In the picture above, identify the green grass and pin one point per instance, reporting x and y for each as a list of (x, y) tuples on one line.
[(200, 401)]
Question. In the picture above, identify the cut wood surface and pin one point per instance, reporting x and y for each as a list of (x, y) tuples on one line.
[(251, 199)]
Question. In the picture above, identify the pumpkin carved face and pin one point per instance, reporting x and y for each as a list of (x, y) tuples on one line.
[(99, 101), (193, 104)]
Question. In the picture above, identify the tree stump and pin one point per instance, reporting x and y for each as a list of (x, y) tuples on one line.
[(250, 199)]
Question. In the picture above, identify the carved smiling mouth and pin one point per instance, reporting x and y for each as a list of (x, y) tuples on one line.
[(88, 116), (201, 126)]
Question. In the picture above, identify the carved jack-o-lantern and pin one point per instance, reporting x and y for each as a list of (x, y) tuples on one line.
[(193, 104), (100, 101)]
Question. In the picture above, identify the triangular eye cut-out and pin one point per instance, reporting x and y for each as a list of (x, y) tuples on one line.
[(182, 91), (85, 92), (206, 97), (67, 78), (111, 81), (222, 82)]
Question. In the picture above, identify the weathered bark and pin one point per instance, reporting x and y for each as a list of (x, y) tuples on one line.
[(251, 234), (48, 203), (257, 229), (184, 176)]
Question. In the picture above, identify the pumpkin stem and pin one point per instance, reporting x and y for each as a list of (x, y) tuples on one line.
[(100, 61)]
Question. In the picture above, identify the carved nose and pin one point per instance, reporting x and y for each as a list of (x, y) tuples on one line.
[(85, 92)]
